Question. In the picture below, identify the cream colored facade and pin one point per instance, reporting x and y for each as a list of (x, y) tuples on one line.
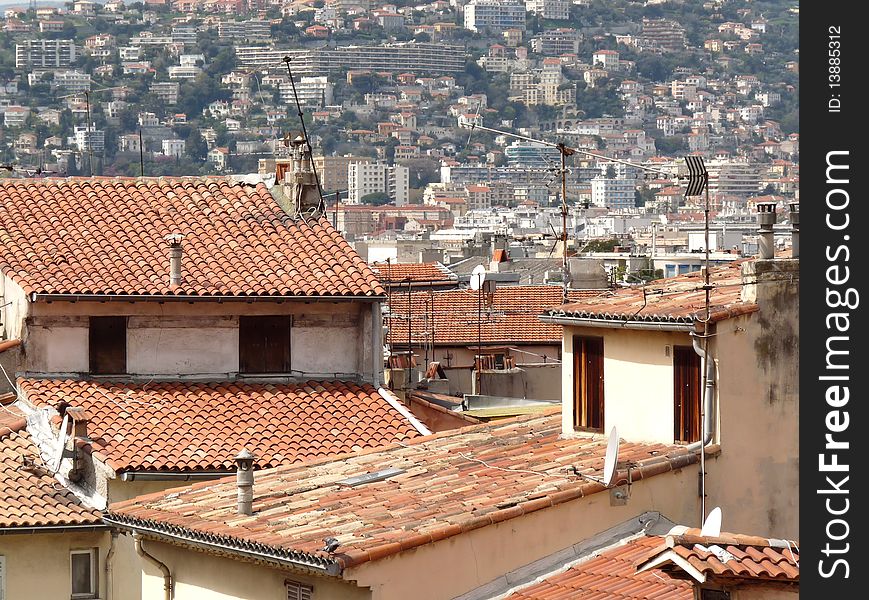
[(755, 478), (38, 564), (483, 554)]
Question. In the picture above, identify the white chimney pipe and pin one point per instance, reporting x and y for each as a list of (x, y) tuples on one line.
[(795, 229), (766, 219), (175, 255), (244, 481)]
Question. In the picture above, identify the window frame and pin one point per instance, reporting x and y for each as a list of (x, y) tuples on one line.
[(687, 385), (94, 330), (93, 555), (248, 341), (300, 591), (588, 395)]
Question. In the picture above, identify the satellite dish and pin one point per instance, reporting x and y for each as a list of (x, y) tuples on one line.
[(478, 276), (611, 459), (712, 524), (61, 443)]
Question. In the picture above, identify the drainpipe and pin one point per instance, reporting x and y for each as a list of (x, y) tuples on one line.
[(708, 395), (167, 576), (109, 556)]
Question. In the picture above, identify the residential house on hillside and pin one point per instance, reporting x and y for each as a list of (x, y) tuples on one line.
[(641, 360), (158, 327)]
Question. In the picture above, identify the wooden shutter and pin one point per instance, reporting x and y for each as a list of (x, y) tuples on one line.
[(686, 394), (299, 591), (2, 577), (588, 405), (107, 345), (264, 344)]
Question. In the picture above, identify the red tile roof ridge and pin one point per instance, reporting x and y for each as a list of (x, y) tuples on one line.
[(692, 536)]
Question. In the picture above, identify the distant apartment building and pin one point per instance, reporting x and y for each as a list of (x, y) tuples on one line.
[(252, 30), (184, 34), (373, 178), (494, 15), (166, 91), (45, 54), (607, 59), (732, 178), (88, 139), (72, 82), (311, 91), (613, 193), (51, 26), (173, 148), (397, 57), (129, 53), (332, 171), (554, 42), (663, 33), (15, 116), (558, 10), (532, 155)]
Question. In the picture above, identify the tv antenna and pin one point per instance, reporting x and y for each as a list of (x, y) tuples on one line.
[(478, 276), (609, 463)]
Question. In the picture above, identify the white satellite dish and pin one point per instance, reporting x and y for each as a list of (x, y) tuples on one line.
[(712, 524), (478, 276), (611, 459), (61, 444), (610, 462)]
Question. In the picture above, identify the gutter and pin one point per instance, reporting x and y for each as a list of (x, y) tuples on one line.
[(52, 529), (40, 297), (302, 561), (617, 323), (167, 576), (394, 403), (708, 396), (163, 476), (9, 344)]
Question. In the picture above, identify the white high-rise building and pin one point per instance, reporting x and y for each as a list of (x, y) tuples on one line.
[(613, 193), (496, 15), (549, 9), (373, 178)]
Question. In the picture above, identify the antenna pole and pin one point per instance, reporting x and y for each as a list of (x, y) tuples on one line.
[(479, 336), (287, 60), (87, 98), (409, 335), (563, 150), (706, 316)]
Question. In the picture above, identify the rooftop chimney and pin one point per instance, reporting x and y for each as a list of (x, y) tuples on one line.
[(244, 481), (304, 190), (174, 240), (795, 229), (765, 220)]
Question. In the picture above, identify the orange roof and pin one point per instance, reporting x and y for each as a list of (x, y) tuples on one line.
[(421, 272), (727, 556), (202, 426), (511, 318), (445, 485), (675, 300), (610, 574), (30, 496), (107, 236)]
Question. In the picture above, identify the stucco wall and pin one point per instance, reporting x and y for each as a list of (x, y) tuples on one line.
[(759, 592), (638, 381), (328, 339), (38, 565), (480, 556), (200, 576)]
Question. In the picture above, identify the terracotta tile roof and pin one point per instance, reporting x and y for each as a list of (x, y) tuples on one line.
[(726, 556), (394, 273), (512, 317), (450, 483), (611, 574), (30, 496), (677, 299), (202, 426), (106, 236)]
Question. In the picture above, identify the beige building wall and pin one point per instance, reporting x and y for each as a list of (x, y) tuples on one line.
[(38, 565), (176, 338), (759, 592), (638, 381)]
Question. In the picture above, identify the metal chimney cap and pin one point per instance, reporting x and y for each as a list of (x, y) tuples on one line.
[(174, 239), (766, 206), (245, 454)]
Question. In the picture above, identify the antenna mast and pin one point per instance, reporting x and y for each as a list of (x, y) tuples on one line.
[(89, 141), (322, 204)]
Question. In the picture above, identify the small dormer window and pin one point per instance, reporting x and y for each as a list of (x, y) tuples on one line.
[(107, 345)]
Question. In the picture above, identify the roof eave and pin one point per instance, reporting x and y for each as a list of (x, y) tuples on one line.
[(52, 297), (177, 535), (574, 321)]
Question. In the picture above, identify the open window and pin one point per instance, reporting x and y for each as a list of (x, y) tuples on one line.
[(264, 344), (83, 570), (686, 394), (588, 383), (107, 345)]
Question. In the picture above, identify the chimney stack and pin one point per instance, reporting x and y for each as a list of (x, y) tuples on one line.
[(244, 481), (765, 220), (795, 229), (175, 254)]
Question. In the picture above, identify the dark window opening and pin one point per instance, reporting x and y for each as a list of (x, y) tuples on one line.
[(83, 570), (264, 344), (107, 345), (588, 383), (714, 595), (687, 393)]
